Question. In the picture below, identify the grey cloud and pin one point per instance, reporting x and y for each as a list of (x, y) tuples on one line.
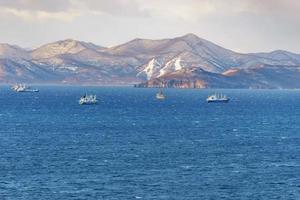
[(242, 25), (137, 7), (275, 8), (129, 8), (37, 5), (287, 7)]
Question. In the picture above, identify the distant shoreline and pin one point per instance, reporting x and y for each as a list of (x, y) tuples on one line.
[(137, 87)]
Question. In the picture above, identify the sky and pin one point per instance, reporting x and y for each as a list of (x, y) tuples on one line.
[(240, 25)]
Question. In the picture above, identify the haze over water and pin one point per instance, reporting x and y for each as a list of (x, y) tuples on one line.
[(132, 146)]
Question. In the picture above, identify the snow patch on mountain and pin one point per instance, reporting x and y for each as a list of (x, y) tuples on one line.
[(178, 65), (69, 68), (172, 65), (150, 68), (164, 70)]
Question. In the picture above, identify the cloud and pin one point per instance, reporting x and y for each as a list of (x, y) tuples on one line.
[(177, 9), (164, 8), (40, 10), (189, 10), (37, 5), (127, 8), (286, 7), (242, 25), (41, 15)]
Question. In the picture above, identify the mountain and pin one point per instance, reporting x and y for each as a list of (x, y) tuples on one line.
[(188, 78), (186, 61), (262, 77), (12, 51), (189, 49), (266, 76), (68, 46), (281, 57)]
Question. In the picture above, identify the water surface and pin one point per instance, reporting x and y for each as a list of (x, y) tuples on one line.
[(132, 146)]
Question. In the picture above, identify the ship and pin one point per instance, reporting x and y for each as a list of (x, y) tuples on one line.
[(217, 98), (160, 95), (88, 100), (23, 88)]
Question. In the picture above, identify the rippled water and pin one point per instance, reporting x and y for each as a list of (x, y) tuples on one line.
[(131, 146)]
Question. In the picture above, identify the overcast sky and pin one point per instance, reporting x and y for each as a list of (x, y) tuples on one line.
[(240, 25)]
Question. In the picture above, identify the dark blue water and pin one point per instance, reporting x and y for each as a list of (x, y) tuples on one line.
[(131, 146)]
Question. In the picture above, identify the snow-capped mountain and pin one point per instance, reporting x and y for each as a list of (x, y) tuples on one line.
[(140, 60), (190, 48)]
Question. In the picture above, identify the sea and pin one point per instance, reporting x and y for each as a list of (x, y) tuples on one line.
[(133, 146)]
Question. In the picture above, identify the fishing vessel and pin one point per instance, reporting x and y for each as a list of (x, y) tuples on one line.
[(160, 95), (88, 99), (217, 98), (23, 88)]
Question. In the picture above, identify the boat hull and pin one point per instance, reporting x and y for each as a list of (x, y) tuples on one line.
[(27, 91), (160, 98), (87, 103), (218, 101)]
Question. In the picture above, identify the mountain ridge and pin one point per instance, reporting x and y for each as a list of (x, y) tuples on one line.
[(142, 60)]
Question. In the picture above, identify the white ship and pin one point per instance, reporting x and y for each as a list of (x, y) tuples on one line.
[(88, 99), (217, 98), (160, 95), (23, 88)]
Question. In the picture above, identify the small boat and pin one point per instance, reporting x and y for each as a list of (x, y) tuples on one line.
[(160, 95), (23, 88), (217, 98), (88, 100)]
